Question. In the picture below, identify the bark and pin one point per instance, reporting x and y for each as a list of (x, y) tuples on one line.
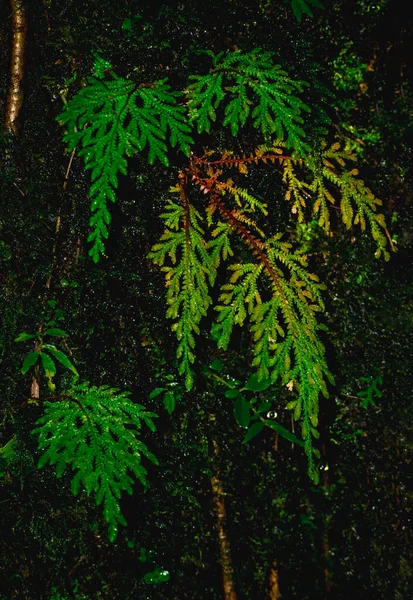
[(275, 593), (14, 99), (218, 498)]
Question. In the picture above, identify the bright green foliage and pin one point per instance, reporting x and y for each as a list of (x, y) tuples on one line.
[(253, 86), (187, 278), (94, 430), (111, 120)]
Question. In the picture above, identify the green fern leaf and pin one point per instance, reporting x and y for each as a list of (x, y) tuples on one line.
[(254, 87), (190, 273), (95, 430), (111, 120), (284, 328)]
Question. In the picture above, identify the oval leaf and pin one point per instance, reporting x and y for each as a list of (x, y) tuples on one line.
[(254, 430), (154, 393), (169, 402), (56, 332), (29, 361), (62, 358), (48, 365), (216, 365), (284, 432), (255, 385), (242, 412), (231, 393), (22, 337)]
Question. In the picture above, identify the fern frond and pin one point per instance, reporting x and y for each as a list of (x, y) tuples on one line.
[(254, 86), (297, 188), (319, 183), (284, 328), (358, 204), (205, 95), (95, 430), (189, 276), (250, 202), (115, 119), (219, 246), (237, 300)]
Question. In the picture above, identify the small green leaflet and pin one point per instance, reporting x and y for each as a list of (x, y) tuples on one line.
[(56, 332), (256, 385), (242, 412), (22, 337), (127, 24), (216, 365), (156, 392), (48, 365), (29, 361), (233, 393), (284, 432), (169, 402), (254, 430), (62, 358)]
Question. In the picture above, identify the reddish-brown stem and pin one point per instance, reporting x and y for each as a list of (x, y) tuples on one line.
[(237, 160), (255, 245)]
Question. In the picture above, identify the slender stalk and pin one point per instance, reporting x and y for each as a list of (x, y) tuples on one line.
[(14, 99), (274, 593), (218, 498)]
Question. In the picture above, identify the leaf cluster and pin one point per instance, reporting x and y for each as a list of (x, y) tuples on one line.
[(111, 120), (47, 353), (95, 431), (253, 86)]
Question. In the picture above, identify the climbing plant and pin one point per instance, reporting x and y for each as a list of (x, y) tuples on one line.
[(269, 288)]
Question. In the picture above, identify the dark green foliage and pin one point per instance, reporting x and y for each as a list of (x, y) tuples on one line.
[(355, 526), (253, 86), (301, 7), (95, 430)]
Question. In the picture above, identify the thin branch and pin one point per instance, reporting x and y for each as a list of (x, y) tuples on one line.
[(14, 100)]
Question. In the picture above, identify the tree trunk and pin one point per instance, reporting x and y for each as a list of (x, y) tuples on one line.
[(218, 498), (275, 593), (14, 100)]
